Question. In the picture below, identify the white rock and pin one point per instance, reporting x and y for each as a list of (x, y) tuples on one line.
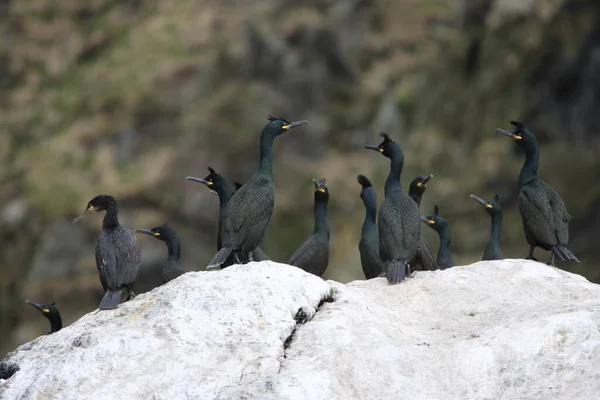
[(514, 329)]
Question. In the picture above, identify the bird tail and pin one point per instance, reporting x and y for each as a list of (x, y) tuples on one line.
[(396, 272), (562, 253), (110, 300), (219, 258)]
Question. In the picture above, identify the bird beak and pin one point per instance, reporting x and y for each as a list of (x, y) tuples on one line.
[(509, 134), (295, 124), (427, 180), (481, 201), (376, 148), (193, 179), (36, 305), (427, 220), (318, 187), (89, 210), (147, 232)]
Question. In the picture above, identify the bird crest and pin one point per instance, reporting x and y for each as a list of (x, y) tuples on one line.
[(497, 198), (274, 118), (212, 171), (436, 210), (386, 137), (517, 124)]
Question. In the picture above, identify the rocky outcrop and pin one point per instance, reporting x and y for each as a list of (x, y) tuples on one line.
[(513, 329)]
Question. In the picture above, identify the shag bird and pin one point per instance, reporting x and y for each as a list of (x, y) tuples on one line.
[(224, 189), (171, 269), (313, 255), (368, 246), (250, 208), (543, 211), (440, 225), (51, 313), (493, 250), (117, 253), (399, 219), (424, 260)]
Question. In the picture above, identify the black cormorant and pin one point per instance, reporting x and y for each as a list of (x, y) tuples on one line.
[(399, 219), (313, 255), (171, 269), (424, 260), (117, 253), (368, 246), (250, 208), (225, 189), (440, 225), (544, 214), (51, 312), (493, 250)]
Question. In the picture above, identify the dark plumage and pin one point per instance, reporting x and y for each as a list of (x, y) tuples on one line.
[(171, 269), (313, 255), (224, 189), (51, 313), (440, 225), (544, 214), (493, 250), (117, 253), (368, 246), (424, 260), (399, 219), (250, 208)]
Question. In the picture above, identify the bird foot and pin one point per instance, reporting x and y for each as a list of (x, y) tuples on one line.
[(531, 258), (130, 296), (551, 263)]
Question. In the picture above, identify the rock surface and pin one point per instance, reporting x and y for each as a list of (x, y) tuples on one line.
[(514, 329)]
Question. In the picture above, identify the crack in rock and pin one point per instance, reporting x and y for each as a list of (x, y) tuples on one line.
[(8, 369), (302, 317)]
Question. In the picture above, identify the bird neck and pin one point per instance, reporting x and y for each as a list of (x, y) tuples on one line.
[(416, 196), (265, 166), (529, 172), (496, 228), (55, 324), (320, 211), (110, 219), (444, 249), (370, 213), (393, 180), (224, 191), (173, 250)]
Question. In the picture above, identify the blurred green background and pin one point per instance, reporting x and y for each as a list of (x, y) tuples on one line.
[(129, 97)]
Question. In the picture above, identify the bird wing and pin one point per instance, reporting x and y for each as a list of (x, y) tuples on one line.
[(311, 256), (424, 258), (561, 216), (536, 212), (247, 215), (399, 227), (106, 262), (128, 256)]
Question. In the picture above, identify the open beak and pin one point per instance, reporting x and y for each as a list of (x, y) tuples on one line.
[(295, 124), (83, 214), (147, 232), (36, 305), (481, 201), (509, 134)]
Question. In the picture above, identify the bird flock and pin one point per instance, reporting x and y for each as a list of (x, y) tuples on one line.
[(391, 244)]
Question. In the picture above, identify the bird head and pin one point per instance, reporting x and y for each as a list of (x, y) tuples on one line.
[(97, 204), (492, 207), (278, 125)]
